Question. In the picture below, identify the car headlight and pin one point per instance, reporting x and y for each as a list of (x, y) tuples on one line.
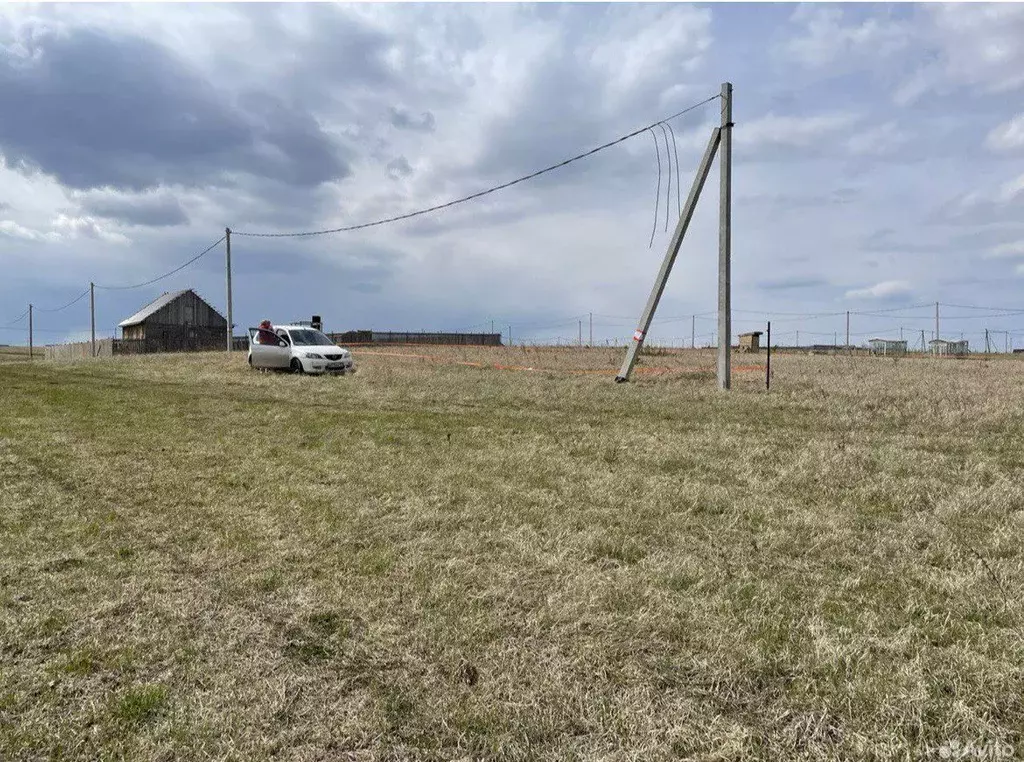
[(313, 356)]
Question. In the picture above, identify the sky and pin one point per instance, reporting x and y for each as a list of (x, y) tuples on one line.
[(878, 165)]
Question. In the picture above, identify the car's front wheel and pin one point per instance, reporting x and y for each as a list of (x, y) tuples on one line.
[(296, 365)]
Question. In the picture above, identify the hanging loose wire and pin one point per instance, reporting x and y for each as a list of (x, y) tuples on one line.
[(668, 190), (675, 151), (197, 257), (657, 197)]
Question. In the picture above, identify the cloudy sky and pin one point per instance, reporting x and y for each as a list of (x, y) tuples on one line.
[(878, 162)]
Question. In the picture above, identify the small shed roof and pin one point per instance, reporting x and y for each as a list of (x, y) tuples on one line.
[(752, 333), (152, 307), (890, 341)]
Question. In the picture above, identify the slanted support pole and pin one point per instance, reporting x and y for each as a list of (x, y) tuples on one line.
[(670, 258)]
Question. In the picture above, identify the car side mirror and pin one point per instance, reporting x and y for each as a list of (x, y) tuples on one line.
[(282, 343)]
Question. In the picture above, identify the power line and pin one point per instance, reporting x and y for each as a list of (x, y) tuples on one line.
[(77, 299), (16, 320), (198, 256), (490, 190)]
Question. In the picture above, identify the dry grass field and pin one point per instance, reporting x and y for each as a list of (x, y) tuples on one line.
[(16, 354), (434, 561)]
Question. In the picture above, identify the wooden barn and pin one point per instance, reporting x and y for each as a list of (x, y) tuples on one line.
[(176, 320)]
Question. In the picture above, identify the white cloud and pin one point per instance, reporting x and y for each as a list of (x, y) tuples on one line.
[(646, 45), (825, 37), (966, 46), (86, 227), (878, 141), (1011, 190), (1007, 250), (794, 131), (1008, 136), (884, 290), (12, 229)]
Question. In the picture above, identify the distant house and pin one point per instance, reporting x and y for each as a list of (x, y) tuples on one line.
[(176, 320), (750, 342), (888, 347), (947, 348)]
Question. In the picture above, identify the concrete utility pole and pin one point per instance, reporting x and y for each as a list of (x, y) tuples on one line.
[(92, 314), (231, 327), (693, 329), (670, 258), (30, 332), (987, 348), (725, 243), (591, 330), (581, 333), (847, 329), (937, 335), (923, 346)]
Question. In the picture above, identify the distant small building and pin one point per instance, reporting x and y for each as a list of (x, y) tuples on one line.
[(175, 319), (750, 342), (888, 347), (947, 348)]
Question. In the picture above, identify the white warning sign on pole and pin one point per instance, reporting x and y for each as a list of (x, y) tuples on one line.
[(638, 336)]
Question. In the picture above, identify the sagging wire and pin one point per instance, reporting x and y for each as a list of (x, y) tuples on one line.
[(470, 197), (657, 197), (77, 299), (198, 256), (668, 190), (675, 151), (17, 320)]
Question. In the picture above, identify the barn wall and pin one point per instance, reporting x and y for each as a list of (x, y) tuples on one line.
[(188, 309)]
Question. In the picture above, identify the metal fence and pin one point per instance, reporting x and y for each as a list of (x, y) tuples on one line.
[(416, 337)]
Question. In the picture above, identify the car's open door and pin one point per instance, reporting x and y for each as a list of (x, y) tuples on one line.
[(268, 352)]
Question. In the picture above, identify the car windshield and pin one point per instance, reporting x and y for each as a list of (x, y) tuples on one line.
[(309, 337)]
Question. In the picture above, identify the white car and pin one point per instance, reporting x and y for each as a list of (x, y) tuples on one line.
[(297, 348)]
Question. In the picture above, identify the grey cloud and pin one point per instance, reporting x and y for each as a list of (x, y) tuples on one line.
[(147, 210), (404, 120), (834, 197), (399, 167), (95, 110), (794, 282)]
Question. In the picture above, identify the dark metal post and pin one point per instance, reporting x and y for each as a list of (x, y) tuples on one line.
[(768, 366)]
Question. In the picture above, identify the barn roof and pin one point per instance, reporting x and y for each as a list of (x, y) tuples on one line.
[(152, 307)]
